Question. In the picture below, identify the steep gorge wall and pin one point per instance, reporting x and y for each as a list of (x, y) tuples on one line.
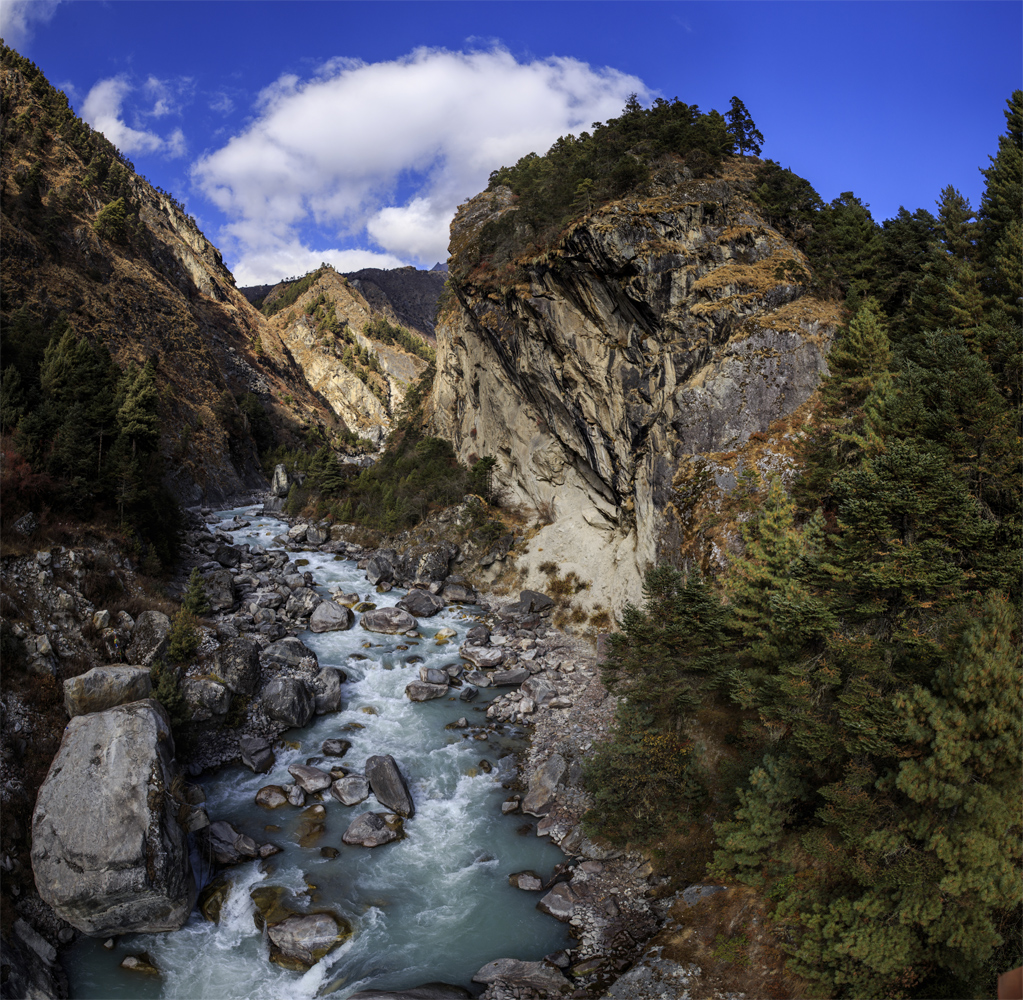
[(659, 328)]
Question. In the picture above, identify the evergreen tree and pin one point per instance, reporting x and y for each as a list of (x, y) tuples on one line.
[(745, 135), (195, 601), (137, 411)]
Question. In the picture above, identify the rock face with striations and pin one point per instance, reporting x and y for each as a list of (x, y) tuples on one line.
[(107, 852), (661, 329)]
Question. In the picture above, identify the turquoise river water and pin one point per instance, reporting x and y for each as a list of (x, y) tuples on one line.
[(434, 906)]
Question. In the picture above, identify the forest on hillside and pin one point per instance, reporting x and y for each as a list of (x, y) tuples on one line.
[(860, 662)]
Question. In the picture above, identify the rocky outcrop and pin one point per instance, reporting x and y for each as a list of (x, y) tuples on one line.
[(659, 329), (105, 687), (107, 851)]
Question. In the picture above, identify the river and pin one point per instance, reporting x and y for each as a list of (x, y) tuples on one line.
[(434, 906)]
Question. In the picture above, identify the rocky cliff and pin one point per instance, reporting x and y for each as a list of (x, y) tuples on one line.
[(658, 328), (86, 237)]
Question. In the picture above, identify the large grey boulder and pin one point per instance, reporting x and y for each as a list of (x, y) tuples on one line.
[(529, 602), (350, 790), (542, 785), (286, 652), (326, 687), (281, 482), (389, 785), (149, 639), (289, 700), (219, 590), (504, 678), (427, 563), (331, 617), (229, 846), (205, 698), (484, 657), (388, 620), (309, 779), (107, 851), (303, 602), (512, 972), (421, 603), (373, 830), (104, 687), (380, 569), (237, 665)]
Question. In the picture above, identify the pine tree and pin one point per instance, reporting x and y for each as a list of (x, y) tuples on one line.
[(743, 131), (195, 601), (137, 413)]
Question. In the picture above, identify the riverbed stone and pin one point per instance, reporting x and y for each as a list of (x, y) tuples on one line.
[(330, 616), (149, 638), (559, 903), (421, 603), (335, 748), (379, 570), (229, 846), (428, 991), (434, 675), (372, 829), (105, 687), (388, 620), (326, 687), (424, 691), (256, 753), (300, 941), (287, 652), (389, 785), (542, 785), (350, 790), (309, 779), (527, 880), (219, 589), (271, 797), (237, 665), (289, 700), (121, 865), (484, 657), (506, 678), (534, 975)]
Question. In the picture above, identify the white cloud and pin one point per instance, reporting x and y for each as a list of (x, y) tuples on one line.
[(392, 148), (273, 262), (102, 109), (19, 17)]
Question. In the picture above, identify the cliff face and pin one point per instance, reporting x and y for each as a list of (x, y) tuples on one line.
[(361, 378), (150, 287), (660, 328)]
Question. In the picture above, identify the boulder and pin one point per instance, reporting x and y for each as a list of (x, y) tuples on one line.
[(335, 748), (539, 690), (289, 700), (528, 880), (271, 797), (424, 691), (434, 675), (316, 535), (281, 482), (256, 753), (300, 941), (149, 638), (237, 665), (529, 602), (559, 903), (542, 785), (287, 652), (512, 972), (331, 617), (427, 563), (326, 687), (205, 698), (457, 591), (484, 657), (379, 570), (389, 786), (373, 829), (303, 602), (478, 635), (227, 555), (350, 790), (105, 687), (504, 678), (309, 779), (121, 865), (219, 590), (388, 620), (421, 603), (228, 845)]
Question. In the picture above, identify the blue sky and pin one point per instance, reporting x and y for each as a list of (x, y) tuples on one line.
[(300, 131)]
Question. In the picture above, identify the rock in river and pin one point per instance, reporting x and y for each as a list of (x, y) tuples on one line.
[(389, 785), (309, 779), (120, 865), (331, 617), (424, 691), (373, 829), (421, 603), (350, 790), (389, 620), (289, 700), (535, 975), (300, 941)]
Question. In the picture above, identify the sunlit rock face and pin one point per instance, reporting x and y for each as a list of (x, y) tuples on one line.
[(656, 329)]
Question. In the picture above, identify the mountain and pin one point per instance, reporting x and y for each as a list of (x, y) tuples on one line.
[(660, 329), (88, 241)]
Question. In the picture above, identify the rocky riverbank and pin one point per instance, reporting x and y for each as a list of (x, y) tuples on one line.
[(252, 679)]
